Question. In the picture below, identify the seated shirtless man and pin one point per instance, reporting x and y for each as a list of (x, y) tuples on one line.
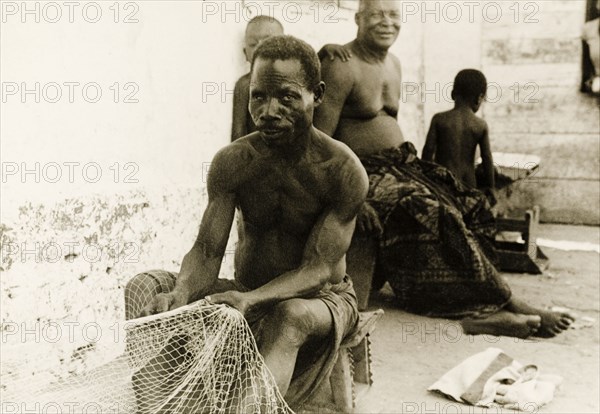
[(435, 232), (298, 192)]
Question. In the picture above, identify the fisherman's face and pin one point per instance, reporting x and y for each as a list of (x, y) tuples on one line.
[(281, 102)]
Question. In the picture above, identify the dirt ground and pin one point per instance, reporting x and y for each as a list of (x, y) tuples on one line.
[(411, 352)]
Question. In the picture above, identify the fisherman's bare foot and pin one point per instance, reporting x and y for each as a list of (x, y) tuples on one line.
[(503, 323), (553, 322)]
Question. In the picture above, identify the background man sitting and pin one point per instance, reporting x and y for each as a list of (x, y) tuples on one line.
[(436, 234)]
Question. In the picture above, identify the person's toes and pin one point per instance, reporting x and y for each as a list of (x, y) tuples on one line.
[(563, 324), (562, 313), (568, 319), (544, 333)]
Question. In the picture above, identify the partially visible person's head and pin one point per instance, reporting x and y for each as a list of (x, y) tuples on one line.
[(378, 23), (258, 29), (285, 87), (470, 86)]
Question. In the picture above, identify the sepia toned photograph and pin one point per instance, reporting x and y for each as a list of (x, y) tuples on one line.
[(299, 206)]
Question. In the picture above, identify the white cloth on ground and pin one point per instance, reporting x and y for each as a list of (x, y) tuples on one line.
[(492, 378)]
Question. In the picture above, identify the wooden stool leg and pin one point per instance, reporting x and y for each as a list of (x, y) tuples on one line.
[(362, 362), (533, 219), (351, 375), (341, 381)]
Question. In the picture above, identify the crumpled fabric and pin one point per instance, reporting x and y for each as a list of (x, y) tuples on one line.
[(492, 378)]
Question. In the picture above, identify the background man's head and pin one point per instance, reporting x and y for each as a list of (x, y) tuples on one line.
[(470, 85), (285, 87), (258, 29), (378, 23)]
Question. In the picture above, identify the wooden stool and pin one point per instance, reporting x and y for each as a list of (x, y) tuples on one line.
[(514, 255), (517, 256), (351, 376)]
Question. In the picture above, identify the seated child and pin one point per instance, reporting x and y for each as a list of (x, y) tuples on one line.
[(454, 135), (258, 29)]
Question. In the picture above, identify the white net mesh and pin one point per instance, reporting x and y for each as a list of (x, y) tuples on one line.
[(201, 358)]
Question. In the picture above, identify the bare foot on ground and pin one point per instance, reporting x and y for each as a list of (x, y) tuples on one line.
[(553, 322), (503, 323)]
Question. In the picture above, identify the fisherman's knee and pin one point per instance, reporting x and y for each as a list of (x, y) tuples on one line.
[(293, 321)]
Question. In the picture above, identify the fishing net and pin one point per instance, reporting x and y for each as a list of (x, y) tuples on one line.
[(201, 358)]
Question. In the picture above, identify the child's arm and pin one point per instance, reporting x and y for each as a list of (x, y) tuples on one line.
[(241, 97), (487, 160), (431, 142)]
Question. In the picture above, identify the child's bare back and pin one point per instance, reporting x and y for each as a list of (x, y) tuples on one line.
[(458, 132), (454, 135)]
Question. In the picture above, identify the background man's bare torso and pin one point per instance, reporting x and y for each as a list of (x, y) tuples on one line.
[(368, 122)]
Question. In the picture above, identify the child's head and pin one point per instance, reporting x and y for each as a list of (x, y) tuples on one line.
[(470, 86), (259, 29)]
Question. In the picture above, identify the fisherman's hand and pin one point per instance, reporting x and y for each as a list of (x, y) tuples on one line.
[(332, 51), (238, 300), (368, 220), (164, 302)]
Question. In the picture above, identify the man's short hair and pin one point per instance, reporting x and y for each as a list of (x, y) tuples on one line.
[(263, 19), (470, 84), (290, 47)]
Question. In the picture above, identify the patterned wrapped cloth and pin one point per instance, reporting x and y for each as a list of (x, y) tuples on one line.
[(437, 247)]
